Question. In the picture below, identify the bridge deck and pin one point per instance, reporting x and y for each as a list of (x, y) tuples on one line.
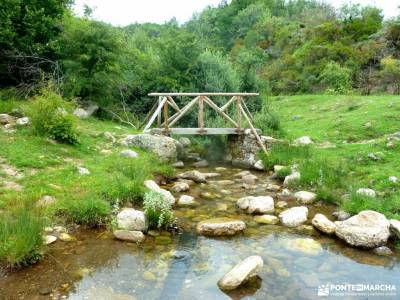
[(198, 131)]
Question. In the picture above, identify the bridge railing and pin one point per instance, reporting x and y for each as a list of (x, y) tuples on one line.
[(161, 108)]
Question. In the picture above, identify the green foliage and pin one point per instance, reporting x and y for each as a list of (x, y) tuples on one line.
[(157, 210), (50, 117), (336, 78), (89, 211), (21, 241), (92, 55), (28, 29)]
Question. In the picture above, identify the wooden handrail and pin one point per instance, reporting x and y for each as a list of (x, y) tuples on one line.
[(203, 94)]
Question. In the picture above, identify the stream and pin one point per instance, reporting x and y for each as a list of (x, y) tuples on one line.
[(188, 266)]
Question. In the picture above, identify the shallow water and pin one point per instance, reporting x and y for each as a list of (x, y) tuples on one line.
[(188, 266)]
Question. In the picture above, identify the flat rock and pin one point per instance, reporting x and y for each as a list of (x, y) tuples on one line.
[(305, 197), (129, 153), (295, 176), (186, 200), (323, 224), (367, 229), (49, 239), (178, 165), (179, 187), (132, 220), (241, 273), (266, 219), (193, 175), (201, 164), (249, 179), (153, 186), (45, 201), (305, 245), (383, 250), (366, 192), (22, 121), (260, 204), (259, 165), (304, 140), (294, 216), (129, 236), (65, 237), (83, 171), (6, 119), (281, 204), (341, 215), (220, 227)]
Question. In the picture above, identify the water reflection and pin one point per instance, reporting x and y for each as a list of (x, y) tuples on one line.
[(296, 261)]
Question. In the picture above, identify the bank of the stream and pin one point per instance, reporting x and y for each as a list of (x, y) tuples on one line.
[(186, 265)]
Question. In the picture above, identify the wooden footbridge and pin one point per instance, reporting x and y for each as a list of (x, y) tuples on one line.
[(161, 109)]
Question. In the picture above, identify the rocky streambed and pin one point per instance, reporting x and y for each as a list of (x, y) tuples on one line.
[(259, 218)]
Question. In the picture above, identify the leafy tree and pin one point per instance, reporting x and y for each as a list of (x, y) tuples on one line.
[(27, 32), (92, 57)]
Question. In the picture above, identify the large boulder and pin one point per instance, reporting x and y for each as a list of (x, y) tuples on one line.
[(162, 146), (241, 273), (260, 204), (132, 220), (153, 186), (367, 229), (323, 224), (294, 216), (194, 175), (220, 227)]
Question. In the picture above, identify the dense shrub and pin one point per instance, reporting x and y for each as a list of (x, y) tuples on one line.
[(21, 241), (50, 117), (157, 210), (336, 78), (268, 121)]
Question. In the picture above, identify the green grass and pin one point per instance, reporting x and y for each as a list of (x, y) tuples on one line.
[(21, 241), (334, 172), (50, 168)]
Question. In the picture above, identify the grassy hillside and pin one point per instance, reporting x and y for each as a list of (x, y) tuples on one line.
[(352, 145)]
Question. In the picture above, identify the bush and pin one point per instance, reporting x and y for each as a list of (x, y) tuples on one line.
[(90, 211), (157, 210), (49, 117), (336, 78), (21, 241)]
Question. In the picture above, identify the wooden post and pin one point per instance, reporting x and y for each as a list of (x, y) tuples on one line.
[(200, 117), (238, 114), (159, 114), (166, 117), (156, 113)]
